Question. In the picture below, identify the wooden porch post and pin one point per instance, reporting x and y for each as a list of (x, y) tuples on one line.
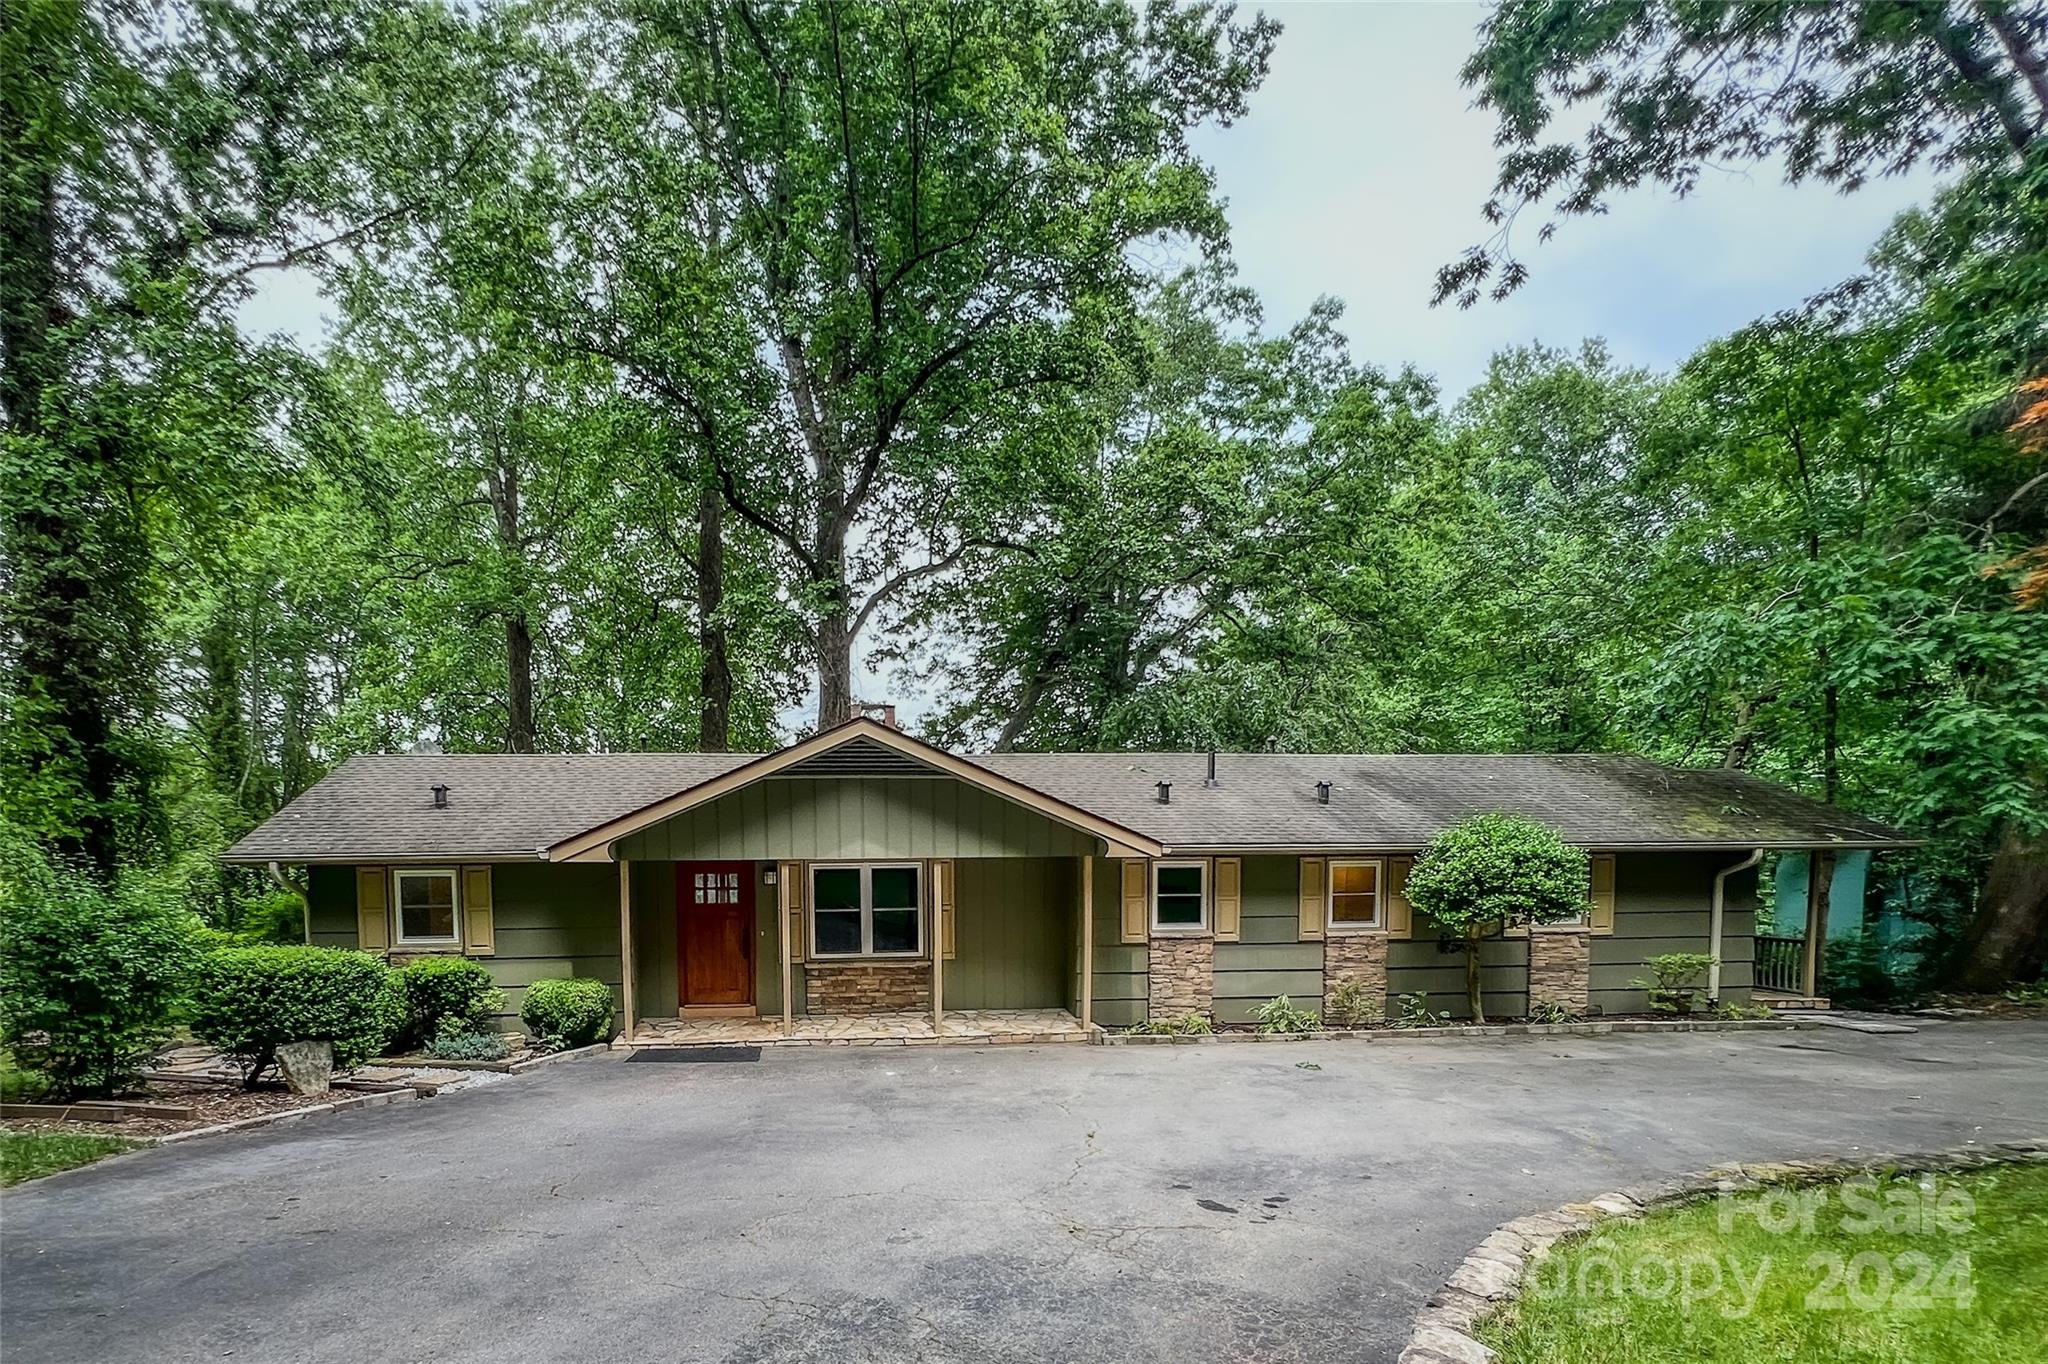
[(1087, 940), (785, 873), (938, 946), (1820, 876), (626, 940)]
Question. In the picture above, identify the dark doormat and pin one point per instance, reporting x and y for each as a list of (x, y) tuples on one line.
[(697, 1054)]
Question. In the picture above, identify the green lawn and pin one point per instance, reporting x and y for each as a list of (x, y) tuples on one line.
[(31, 1155), (1911, 1270)]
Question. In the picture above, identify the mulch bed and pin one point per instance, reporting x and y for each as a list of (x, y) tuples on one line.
[(216, 1103)]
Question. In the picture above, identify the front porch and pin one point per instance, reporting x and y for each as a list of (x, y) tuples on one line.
[(956, 1027)]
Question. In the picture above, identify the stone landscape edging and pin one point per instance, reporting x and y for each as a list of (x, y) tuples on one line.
[(372, 1099), (1593, 1028), (1491, 1275)]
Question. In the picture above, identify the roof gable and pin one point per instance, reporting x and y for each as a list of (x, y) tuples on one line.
[(858, 742)]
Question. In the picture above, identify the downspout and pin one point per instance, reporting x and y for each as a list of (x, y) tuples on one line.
[(1756, 855), (305, 900)]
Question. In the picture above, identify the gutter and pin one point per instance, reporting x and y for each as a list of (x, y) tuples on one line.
[(1714, 920)]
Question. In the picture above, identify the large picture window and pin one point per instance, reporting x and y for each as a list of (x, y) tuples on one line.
[(1355, 895), (867, 910), (426, 907), (1180, 897)]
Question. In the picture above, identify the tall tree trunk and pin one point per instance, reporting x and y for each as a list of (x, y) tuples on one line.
[(2008, 938), (2021, 49), (505, 502), (714, 687), (519, 733), (1475, 998), (835, 619)]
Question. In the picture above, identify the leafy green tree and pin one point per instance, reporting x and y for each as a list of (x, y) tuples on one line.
[(905, 243), (1838, 92), (150, 166), (1488, 871)]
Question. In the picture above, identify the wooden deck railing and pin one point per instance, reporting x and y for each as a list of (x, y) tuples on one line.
[(1780, 963)]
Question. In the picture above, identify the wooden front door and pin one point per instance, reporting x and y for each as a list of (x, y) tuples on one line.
[(715, 932)]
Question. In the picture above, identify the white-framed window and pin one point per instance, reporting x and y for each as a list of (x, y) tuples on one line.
[(1357, 894), (428, 911), (1180, 897), (867, 909)]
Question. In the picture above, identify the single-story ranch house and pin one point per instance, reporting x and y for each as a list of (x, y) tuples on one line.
[(865, 872)]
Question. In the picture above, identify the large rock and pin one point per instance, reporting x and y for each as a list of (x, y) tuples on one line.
[(307, 1067)]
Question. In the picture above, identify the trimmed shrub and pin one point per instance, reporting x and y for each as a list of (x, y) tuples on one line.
[(89, 973), (447, 994), (1489, 871), (567, 1013), (248, 1001)]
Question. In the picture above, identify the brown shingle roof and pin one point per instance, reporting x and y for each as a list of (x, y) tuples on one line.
[(1403, 800), (500, 805), (512, 805)]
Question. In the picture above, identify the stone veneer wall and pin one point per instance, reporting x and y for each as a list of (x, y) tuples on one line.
[(1182, 978), (1560, 968), (1356, 956), (868, 987)]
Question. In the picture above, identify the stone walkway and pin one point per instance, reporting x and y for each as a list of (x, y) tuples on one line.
[(974, 1026)]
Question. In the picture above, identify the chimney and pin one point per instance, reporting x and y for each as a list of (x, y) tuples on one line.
[(440, 796), (1166, 793), (1210, 780), (881, 712), (1322, 793)]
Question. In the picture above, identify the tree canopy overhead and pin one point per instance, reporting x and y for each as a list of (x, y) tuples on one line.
[(1668, 90)]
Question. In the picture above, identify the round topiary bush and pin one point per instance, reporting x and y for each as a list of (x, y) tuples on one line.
[(447, 995), (248, 1001), (567, 1013), (1491, 870)]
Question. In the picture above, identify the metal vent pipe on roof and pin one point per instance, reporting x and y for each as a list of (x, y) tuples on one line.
[(1322, 793), (1166, 793), (440, 796), (1210, 780)]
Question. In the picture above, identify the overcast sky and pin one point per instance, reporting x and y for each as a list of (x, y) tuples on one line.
[(1361, 168)]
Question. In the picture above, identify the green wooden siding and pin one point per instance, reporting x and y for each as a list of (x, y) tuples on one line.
[(1418, 964), (1268, 958), (553, 920), (1121, 985), (1014, 933), (826, 818), (1663, 902)]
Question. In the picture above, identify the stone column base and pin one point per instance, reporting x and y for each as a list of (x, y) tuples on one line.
[(1560, 969), (1181, 977), (1360, 958)]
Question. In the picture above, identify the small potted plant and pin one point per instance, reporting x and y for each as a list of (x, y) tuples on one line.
[(1674, 976)]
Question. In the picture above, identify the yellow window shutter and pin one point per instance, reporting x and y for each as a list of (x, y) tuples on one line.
[(1603, 893), (1313, 869), (1229, 897), (479, 919), (793, 880), (942, 900), (373, 909), (1136, 892), (1400, 914)]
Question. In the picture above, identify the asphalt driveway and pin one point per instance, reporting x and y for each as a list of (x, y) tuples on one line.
[(1281, 1202)]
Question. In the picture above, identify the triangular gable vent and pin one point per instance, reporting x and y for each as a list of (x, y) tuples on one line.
[(860, 758)]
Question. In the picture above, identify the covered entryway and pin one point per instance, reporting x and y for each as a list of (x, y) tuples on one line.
[(715, 937)]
